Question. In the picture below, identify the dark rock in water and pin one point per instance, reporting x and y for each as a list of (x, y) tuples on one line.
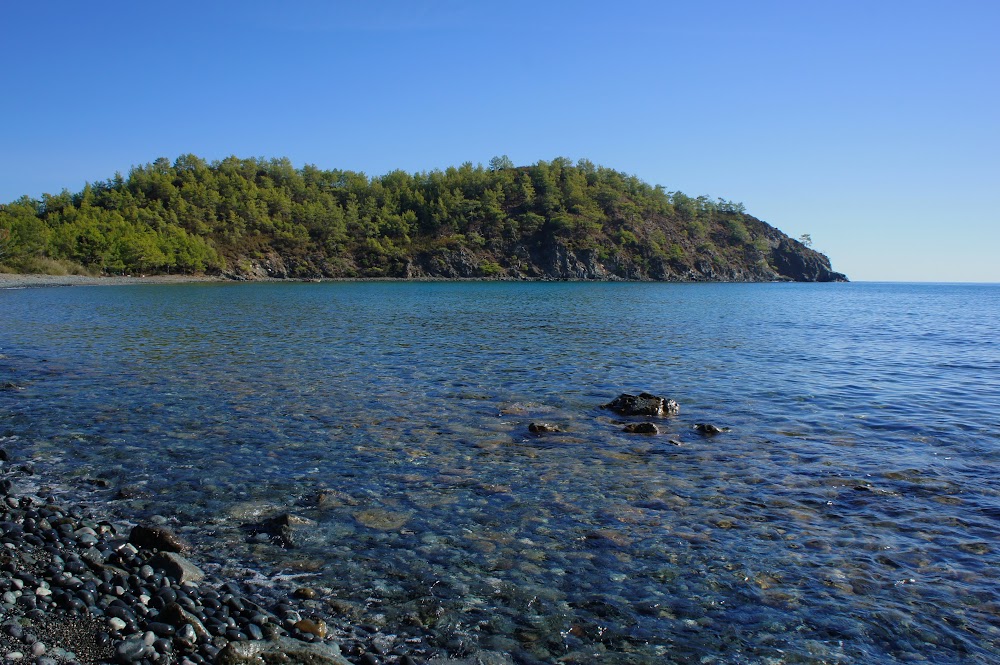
[(642, 428), (128, 491), (286, 529), (287, 519), (284, 650), (542, 428), (177, 567), (327, 498), (157, 537), (643, 404), (4, 456), (708, 429)]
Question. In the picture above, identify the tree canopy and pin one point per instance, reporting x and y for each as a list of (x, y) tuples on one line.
[(235, 215)]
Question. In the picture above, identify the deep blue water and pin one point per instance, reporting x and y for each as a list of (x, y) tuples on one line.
[(850, 515)]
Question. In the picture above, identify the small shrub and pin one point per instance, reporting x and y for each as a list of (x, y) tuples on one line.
[(490, 268)]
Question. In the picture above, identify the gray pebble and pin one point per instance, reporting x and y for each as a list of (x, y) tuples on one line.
[(132, 649), (87, 540), (186, 635)]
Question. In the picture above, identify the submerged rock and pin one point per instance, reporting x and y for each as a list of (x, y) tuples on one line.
[(643, 404), (709, 429), (381, 520), (642, 428), (287, 530), (283, 650), (543, 428)]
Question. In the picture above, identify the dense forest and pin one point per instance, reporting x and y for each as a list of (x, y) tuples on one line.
[(256, 218)]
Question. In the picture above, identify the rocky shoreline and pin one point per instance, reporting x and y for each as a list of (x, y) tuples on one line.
[(23, 281), (76, 587)]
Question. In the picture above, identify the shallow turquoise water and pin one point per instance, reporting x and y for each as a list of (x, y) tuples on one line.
[(849, 516)]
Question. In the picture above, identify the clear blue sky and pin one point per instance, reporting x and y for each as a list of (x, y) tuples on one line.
[(873, 126)]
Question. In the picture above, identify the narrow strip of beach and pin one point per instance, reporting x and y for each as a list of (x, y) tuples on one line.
[(22, 281)]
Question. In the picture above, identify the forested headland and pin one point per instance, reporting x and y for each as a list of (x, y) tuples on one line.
[(258, 218)]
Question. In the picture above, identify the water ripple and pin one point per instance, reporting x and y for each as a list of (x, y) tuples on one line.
[(849, 516)]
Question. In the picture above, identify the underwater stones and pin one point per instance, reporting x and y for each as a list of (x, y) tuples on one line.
[(381, 520), (641, 428), (126, 492), (282, 650), (327, 499), (643, 404), (708, 429), (543, 428), (975, 548), (71, 579), (157, 537), (286, 529), (479, 657)]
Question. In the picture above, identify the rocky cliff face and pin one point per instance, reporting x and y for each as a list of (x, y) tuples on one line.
[(786, 261), (798, 263), (771, 256)]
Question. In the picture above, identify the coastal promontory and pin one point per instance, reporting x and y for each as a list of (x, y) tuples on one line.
[(263, 218)]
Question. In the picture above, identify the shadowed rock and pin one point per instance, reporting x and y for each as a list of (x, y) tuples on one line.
[(708, 429), (642, 428), (643, 404), (287, 530), (542, 428), (178, 617), (157, 537)]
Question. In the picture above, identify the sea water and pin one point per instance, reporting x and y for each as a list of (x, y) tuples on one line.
[(849, 514)]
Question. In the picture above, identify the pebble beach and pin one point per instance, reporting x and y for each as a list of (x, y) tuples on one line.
[(22, 281), (76, 587)]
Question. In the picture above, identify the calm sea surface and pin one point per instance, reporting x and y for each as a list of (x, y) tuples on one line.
[(850, 515)]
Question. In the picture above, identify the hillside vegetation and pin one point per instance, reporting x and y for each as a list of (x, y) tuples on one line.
[(255, 218)]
